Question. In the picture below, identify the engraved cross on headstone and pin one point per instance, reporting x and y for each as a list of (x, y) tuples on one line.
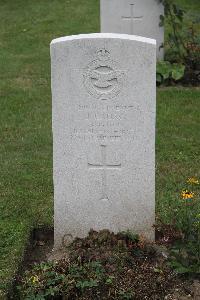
[(103, 167), (132, 18)]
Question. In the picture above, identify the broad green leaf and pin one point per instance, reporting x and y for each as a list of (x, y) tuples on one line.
[(164, 68), (178, 71)]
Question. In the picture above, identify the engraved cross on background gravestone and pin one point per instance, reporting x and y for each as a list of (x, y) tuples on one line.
[(132, 18), (103, 167)]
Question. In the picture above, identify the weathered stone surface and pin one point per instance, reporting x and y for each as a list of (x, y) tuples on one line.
[(104, 99), (138, 17)]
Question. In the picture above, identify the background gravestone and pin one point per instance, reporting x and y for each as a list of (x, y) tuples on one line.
[(103, 89), (138, 17)]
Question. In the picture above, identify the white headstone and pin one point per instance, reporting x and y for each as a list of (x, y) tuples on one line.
[(138, 17), (104, 99)]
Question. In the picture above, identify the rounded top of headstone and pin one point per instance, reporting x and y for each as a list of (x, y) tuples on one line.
[(104, 36)]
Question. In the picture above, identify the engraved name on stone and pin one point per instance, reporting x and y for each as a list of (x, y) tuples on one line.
[(103, 122)]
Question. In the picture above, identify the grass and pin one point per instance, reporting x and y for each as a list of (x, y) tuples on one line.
[(189, 5), (26, 188), (178, 145)]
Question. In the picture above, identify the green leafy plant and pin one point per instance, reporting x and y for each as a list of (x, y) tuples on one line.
[(182, 43), (166, 72), (86, 284), (130, 235), (109, 280), (43, 282), (126, 295), (184, 258), (57, 279)]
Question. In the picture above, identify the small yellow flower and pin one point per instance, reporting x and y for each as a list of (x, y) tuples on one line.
[(185, 194), (193, 180), (34, 279)]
